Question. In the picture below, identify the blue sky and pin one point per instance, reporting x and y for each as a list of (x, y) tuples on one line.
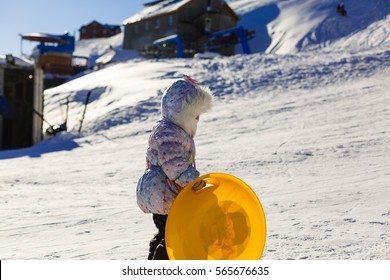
[(55, 17)]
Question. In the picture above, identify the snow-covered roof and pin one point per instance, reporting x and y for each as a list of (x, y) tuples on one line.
[(163, 7), (116, 55), (17, 61)]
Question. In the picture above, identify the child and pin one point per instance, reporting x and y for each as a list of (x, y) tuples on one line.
[(170, 157)]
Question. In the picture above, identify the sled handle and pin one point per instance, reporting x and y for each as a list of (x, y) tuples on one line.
[(209, 183)]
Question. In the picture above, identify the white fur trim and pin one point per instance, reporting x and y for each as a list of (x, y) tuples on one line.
[(195, 106)]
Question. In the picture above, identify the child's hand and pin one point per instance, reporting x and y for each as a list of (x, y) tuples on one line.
[(199, 185)]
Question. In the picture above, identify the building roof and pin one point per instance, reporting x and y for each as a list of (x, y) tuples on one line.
[(47, 38), (156, 8), (108, 26), (20, 61), (160, 7)]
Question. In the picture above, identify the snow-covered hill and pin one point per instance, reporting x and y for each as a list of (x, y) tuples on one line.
[(284, 27), (308, 131)]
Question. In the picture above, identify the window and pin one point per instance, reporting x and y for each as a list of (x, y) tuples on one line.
[(208, 23), (170, 20), (146, 26)]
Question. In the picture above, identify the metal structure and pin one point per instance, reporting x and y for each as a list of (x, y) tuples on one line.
[(173, 45), (54, 55)]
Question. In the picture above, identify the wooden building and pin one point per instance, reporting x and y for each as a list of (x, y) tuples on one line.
[(95, 29), (190, 20), (21, 103)]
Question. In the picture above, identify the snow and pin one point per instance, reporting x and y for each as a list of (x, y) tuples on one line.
[(308, 130), (97, 46), (285, 27), (20, 61), (163, 7)]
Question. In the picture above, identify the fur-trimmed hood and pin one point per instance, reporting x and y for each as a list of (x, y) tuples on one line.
[(184, 101)]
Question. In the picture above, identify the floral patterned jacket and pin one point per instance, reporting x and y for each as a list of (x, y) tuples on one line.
[(169, 167)]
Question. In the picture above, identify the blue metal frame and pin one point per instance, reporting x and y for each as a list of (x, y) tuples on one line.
[(241, 33), (179, 43), (50, 42), (66, 45)]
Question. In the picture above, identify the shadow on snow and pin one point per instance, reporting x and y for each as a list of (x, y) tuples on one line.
[(61, 142)]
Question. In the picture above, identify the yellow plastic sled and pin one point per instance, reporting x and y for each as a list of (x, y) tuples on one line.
[(222, 221)]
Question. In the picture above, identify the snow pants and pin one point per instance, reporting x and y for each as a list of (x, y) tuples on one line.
[(157, 247)]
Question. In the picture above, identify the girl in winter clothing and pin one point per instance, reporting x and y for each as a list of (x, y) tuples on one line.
[(170, 157)]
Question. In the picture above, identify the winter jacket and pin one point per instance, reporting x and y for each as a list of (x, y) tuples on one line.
[(171, 153)]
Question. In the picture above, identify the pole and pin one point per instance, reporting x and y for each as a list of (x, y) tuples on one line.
[(85, 109)]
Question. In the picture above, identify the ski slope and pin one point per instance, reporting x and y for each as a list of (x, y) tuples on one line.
[(307, 127)]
